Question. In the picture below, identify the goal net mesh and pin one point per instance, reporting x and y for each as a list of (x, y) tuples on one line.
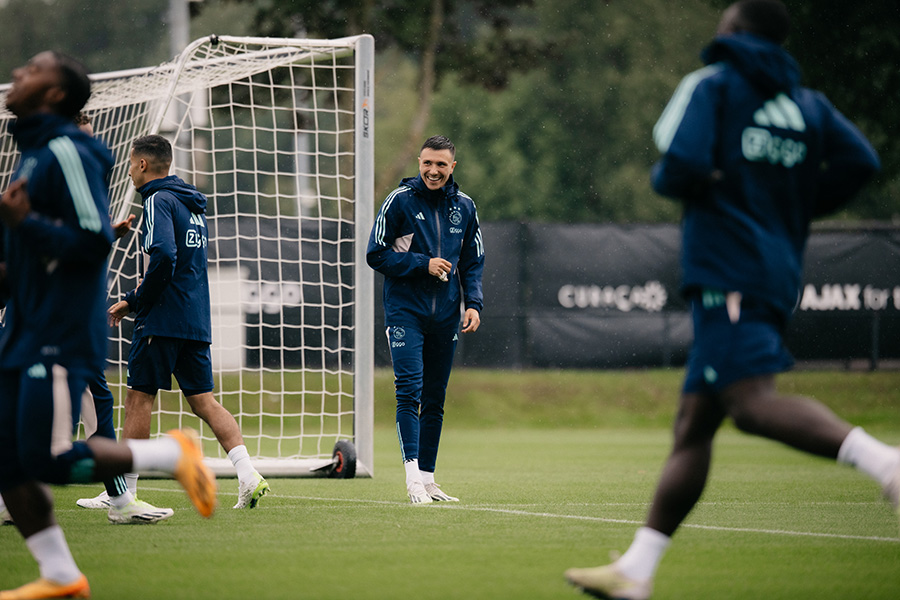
[(271, 130)]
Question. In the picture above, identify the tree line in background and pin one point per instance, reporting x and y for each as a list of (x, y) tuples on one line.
[(551, 102)]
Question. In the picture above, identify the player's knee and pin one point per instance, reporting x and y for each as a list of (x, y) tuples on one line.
[(745, 416), (432, 407)]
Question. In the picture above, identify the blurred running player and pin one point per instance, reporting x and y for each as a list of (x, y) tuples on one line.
[(754, 157), (57, 237)]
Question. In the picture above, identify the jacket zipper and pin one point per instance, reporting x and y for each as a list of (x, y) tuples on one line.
[(437, 225)]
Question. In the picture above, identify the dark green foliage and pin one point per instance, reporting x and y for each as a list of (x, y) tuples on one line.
[(106, 35), (551, 102), (850, 51)]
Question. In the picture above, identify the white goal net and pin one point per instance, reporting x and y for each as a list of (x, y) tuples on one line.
[(278, 134)]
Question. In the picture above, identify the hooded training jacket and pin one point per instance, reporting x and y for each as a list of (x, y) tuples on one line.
[(783, 154), (56, 257), (413, 226), (172, 299)]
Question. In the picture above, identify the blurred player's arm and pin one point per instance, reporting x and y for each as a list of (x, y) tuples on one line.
[(851, 162), (56, 238), (687, 138)]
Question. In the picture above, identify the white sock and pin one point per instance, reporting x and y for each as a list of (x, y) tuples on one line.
[(412, 471), (427, 477), (122, 500), (131, 483), (874, 458), (50, 550), (240, 458), (642, 557), (161, 454)]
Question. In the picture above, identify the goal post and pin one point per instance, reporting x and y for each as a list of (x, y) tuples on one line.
[(278, 133)]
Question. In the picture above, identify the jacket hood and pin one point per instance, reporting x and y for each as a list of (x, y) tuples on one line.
[(418, 185), (37, 130), (766, 64), (186, 193)]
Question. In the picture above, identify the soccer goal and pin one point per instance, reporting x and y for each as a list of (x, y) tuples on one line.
[(278, 134)]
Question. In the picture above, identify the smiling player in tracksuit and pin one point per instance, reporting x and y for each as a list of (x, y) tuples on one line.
[(427, 243)]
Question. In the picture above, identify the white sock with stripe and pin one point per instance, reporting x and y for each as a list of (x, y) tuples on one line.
[(131, 482), (122, 500)]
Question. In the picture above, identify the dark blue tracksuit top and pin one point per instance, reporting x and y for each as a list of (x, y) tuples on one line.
[(56, 258), (172, 299), (785, 156), (413, 226)]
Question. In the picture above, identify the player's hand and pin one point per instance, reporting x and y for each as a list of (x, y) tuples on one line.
[(440, 268), (117, 312), (15, 204), (121, 228), (471, 320)]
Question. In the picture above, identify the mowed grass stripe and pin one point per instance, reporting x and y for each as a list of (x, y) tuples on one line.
[(537, 497)]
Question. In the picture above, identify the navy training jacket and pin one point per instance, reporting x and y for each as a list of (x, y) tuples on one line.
[(56, 258), (172, 299), (413, 226), (785, 156)]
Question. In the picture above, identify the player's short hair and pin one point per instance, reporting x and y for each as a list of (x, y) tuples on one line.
[(766, 18), (156, 149), (439, 142), (74, 80)]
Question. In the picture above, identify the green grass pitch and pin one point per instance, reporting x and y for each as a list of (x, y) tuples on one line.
[(548, 491)]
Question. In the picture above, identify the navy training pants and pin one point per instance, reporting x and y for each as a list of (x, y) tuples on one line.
[(422, 361)]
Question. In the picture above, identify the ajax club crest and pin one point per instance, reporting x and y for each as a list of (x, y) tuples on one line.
[(398, 333)]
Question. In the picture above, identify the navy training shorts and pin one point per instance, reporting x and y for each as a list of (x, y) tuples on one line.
[(734, 339), (153, 360), (39, 407)]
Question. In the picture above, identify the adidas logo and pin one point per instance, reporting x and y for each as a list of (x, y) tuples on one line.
[(759, 144), (780, 112), (455, 337), (420, 217)]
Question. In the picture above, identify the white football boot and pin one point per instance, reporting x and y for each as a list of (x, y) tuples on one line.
[(99, 501), (417, 493), (138, 512), (434, 490), (249, 493), (608, 583)]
